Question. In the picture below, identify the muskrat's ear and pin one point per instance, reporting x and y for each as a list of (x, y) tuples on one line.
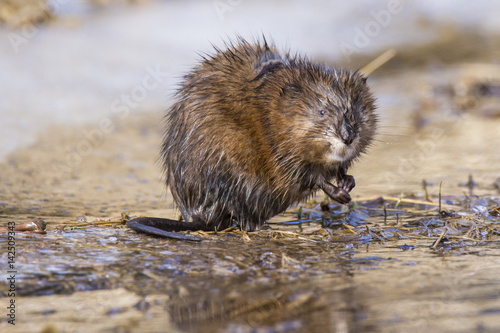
[(291, 90), (268, 67)]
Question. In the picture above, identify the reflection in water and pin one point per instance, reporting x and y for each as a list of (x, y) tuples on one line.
[(324, 303)]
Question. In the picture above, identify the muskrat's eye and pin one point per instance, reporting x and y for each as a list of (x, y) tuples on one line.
[(322, 112)]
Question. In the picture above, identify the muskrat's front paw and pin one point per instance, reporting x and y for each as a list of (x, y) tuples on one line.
[(347, 183), (342, 196), (336, 193)]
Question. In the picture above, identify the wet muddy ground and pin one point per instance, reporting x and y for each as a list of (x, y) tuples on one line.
[(417, 251)]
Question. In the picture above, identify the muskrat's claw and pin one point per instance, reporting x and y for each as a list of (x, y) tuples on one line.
[(336, 193), (347, 182)]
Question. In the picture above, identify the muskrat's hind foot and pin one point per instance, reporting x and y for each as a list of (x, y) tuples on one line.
[(336, 193)]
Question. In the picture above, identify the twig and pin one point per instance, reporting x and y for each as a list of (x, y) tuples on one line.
[(439, 239), (440, 183), (86, 224), (424, 185), (378, 62), (404, 200), (349, 228)]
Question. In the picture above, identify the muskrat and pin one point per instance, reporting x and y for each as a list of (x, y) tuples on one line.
[(255, 130)]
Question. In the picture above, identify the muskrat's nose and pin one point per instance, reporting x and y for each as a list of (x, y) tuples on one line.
[(347, 140), (346, 135)]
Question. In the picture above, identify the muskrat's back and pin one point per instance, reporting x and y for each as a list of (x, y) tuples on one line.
[(254, 131)]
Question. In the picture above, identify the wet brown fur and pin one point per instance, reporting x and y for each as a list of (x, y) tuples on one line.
[(250, 131)]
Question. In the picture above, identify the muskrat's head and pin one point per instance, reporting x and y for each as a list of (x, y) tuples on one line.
[(330, 113)]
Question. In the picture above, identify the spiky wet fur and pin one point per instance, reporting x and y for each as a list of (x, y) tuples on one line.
[(247, 138)]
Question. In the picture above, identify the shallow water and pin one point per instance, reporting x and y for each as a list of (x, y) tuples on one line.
[(365, 268), (230, 285)]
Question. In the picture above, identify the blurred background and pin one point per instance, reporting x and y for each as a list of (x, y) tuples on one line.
[(92, 68)]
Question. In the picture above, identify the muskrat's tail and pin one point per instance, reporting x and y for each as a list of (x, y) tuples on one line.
[(165, 227)]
